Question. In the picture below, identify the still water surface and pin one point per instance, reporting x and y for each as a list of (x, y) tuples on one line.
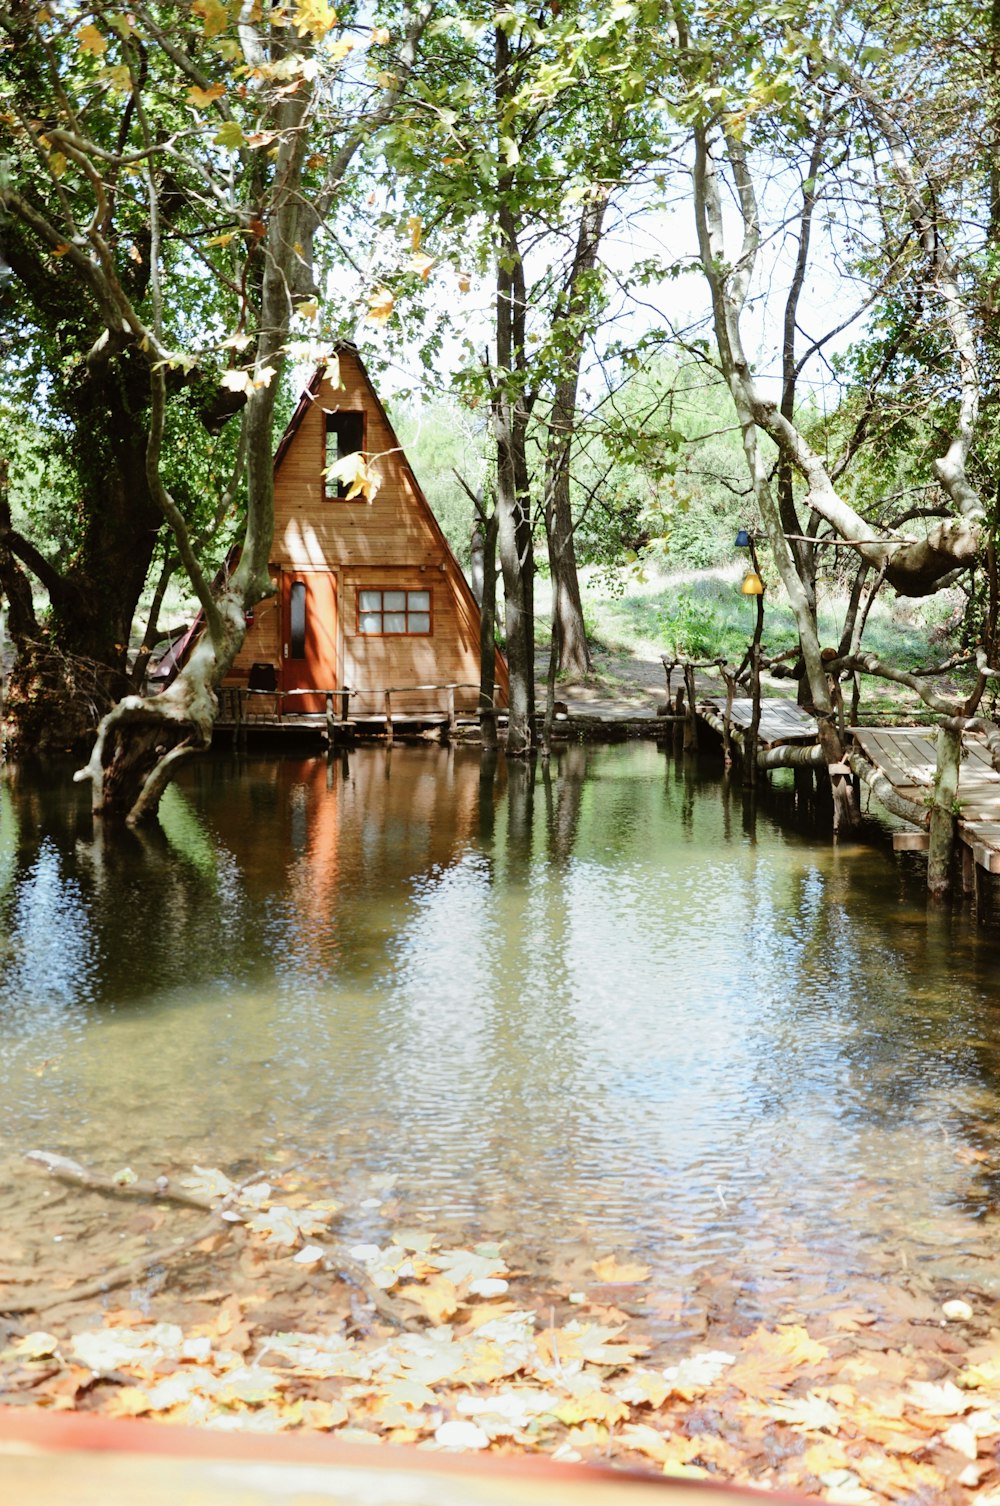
[(605, 1010)]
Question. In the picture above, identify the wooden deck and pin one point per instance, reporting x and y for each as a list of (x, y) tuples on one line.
[(906, 758), (781, 721)]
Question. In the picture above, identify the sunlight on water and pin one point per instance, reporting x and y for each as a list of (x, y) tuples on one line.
[(602, 1010)]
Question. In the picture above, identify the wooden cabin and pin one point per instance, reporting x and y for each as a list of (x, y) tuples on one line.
[(368, 592)]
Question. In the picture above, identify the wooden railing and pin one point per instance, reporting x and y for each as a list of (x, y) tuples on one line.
[(338, 698)]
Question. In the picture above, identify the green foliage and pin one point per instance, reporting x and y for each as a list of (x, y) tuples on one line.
[(440, 438)]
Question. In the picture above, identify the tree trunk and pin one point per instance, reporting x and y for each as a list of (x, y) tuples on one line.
[(943, 808), (487, 630), (567, 608), (510, 424)]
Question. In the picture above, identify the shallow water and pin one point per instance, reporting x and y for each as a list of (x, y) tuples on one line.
[(607, 1010)]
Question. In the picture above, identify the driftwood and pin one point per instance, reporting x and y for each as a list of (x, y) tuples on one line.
[(791, 756), (885, 792), (336, 1257)]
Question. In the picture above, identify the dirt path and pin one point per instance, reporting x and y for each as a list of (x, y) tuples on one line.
[(622, 686)]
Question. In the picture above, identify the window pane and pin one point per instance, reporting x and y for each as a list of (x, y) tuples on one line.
[(420, 622), (395, 622), (297, 620), (395, 601), (371, 622), (419, 601), (371, 601)]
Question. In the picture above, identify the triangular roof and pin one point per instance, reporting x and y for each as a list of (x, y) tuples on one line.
[(176, 654)]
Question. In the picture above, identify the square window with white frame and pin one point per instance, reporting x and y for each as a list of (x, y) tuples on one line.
[(388, 614)]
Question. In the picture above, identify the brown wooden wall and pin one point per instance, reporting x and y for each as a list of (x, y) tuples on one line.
[(392, 542)]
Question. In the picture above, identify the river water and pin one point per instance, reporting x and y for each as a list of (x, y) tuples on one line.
[(605, 1009)]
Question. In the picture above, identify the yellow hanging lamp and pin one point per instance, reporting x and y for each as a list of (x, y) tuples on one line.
[(752, 584)]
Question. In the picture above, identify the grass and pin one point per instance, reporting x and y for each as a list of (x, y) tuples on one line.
[(703, 614)]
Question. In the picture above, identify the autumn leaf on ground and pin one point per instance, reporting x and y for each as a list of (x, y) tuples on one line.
[(809, 1414), (208, 1181), (698, 1372), (944, 1400), (589, 1343), (466, 1265), (36, 1346), (772, 1358), (643, 1439), (850, 1319), (624, 1272), (437, 1298), (593, 1406), (644, 1388), (508, 1412)]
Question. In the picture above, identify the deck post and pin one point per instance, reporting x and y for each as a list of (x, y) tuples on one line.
[(329, 719), (691, 725), (727, 721), (751, 739), (679, 719), (345, 703), (388, 716), (944, 804), (451, 710)]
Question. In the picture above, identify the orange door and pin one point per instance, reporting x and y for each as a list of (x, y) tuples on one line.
[(308, 637)]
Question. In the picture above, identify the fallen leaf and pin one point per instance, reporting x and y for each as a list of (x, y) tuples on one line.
[(461, 1435), (625, 1273)]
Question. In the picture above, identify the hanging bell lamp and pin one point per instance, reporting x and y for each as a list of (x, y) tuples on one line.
[(752, 584), (742, 539)]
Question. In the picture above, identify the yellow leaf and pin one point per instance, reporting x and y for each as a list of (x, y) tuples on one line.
[(380, 305), (314, 18), (91, 40), (387, 80), (380, 36), (57, 164), (464, 282), (422, 264), (415, 226), (596, 1406), (36, 1346), (119, 77), (308, 309), (203, 97), (221, 240), (439, 1298), (646, 1440), (214, 16), (61, 249), (340, 49), (612, 1270), (361, 481)]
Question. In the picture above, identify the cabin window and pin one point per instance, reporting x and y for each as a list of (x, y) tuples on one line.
[(297, 620), (345, 435), (384, 614)]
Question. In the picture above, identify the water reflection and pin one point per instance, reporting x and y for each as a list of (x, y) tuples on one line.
[(605, 1004)]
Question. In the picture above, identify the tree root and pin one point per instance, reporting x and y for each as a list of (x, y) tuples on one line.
[(336, 1257)]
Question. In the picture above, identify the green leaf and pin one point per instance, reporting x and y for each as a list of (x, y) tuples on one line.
[(230, 135)]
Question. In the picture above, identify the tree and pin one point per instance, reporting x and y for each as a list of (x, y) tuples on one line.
[(818, 102), (529, 118), (216, 141)]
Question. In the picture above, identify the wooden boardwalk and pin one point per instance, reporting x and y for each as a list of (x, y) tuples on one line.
[(906, 758), (781, 721)]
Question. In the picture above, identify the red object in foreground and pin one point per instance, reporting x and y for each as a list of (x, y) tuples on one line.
[(82, 1459)]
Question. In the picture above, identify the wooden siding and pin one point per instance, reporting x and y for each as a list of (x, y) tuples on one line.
[(391, 542)]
